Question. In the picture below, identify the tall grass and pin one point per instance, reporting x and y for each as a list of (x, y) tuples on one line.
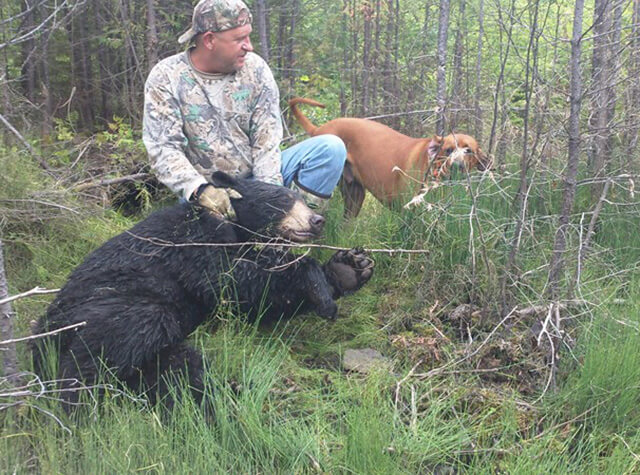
[(282, 400)]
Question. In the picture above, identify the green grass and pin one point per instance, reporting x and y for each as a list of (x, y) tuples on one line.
[(284, 404)]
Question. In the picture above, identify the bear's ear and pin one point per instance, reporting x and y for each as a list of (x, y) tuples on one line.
[(222, 180)]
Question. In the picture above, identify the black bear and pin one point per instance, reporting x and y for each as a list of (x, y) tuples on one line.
[(144, 291)]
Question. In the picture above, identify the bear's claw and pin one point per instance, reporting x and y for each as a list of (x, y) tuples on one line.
[(349, 270)]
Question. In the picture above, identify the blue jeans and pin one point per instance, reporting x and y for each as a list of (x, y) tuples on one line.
[(315, 164)]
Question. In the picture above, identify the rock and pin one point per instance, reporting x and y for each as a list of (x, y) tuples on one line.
[(364, 360)]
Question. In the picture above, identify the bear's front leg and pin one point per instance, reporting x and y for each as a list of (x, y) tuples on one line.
[(348, 271)]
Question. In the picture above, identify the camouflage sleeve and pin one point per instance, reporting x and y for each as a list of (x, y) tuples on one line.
[(164, 138), (266, 131)]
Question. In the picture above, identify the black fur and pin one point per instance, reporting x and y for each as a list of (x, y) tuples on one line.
[(144, 291)]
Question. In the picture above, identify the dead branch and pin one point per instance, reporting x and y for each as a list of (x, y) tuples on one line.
[(42, 335), (34, 291), (274, 243), (112, 181)]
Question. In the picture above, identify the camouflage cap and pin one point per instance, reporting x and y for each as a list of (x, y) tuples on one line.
[(216, 15)]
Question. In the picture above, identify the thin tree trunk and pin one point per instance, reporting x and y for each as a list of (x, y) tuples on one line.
[(632, 114), (571, 172), (282, 33), (104, 64), (597, 115), (355, 42), (441, 88), (28, 49), (9, 356), (375, 64), (613, 67), (387, 82), (366, 55), (478, 88), (523, 190), (345, 58), (457, 97), (290, 51), (262, 20), (499, 90), (152, 35)]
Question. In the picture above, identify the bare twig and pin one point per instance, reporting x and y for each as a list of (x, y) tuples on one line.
[(42, 335), (34, 291)]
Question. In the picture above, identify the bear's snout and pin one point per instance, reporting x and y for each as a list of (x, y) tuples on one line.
[(317, 223)]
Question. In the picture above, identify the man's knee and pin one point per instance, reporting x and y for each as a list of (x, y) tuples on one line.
[(334, 148)]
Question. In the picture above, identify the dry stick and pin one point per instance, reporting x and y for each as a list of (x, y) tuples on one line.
[(112, 181), (34, 291), (289, 244), (473, 213), (42, 335), (403, 380), (584, 248)]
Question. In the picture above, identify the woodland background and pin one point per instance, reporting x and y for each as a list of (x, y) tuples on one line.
[(513, 336)]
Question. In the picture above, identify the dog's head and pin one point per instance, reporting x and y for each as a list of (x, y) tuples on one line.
[(456, 151)]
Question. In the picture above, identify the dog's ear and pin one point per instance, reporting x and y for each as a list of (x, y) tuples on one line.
[(484, 161), (434, 146)]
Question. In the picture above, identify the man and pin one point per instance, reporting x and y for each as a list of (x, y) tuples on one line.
[(216, 107)]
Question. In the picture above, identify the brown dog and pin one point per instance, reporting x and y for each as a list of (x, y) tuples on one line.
[(375, 152)]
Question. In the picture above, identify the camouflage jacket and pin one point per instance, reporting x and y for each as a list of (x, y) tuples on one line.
[(196, 123)]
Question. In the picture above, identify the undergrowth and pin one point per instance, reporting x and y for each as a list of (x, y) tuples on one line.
[(283, 401)]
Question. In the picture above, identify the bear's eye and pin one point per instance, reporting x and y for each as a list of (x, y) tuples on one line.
[(449, 150)]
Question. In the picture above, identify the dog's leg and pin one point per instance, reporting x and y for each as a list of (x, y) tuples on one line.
[(352, 192)]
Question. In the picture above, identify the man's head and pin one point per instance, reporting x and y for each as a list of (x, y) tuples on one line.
[(220, 30)]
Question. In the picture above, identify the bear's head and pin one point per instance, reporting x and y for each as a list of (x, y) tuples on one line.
[(270, 209)]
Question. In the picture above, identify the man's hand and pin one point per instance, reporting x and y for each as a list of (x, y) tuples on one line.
[(214, 199)]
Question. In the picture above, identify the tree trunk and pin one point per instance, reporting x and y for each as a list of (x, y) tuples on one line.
[(478, 89), (290, 45), (375, 63), (597, 115), (523, 190), (571, 173), (9, 357), (28, 52), (632, 108), (387, 82), (441, 88), (262, 22), (345, 58), (152, 35), (367, 12), (458, 100)]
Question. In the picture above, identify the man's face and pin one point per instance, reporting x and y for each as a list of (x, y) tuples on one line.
[(227, 49)]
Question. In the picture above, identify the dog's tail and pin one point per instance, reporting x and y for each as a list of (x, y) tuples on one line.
[(300, 117)]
